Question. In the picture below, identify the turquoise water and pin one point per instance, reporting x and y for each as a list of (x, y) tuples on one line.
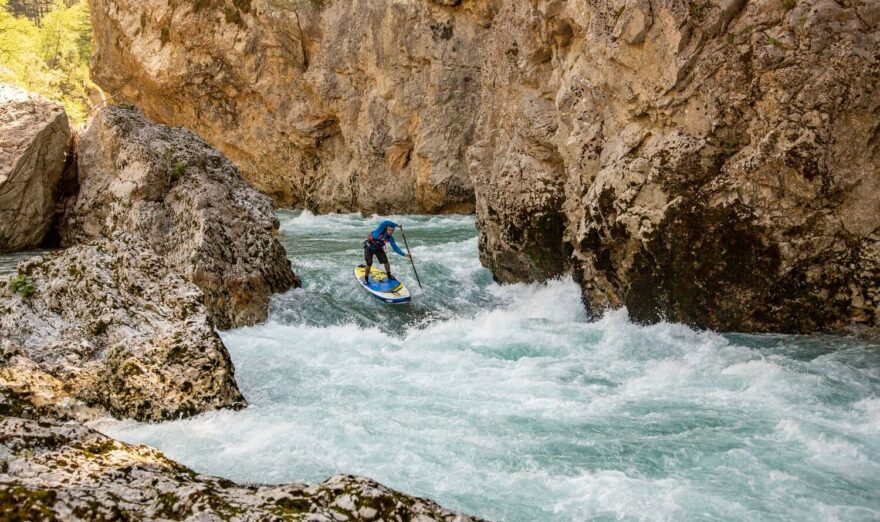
[(506, 402)]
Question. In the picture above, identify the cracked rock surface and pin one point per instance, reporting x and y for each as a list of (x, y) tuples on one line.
[(186, 201), (111, 328), (34, 135)]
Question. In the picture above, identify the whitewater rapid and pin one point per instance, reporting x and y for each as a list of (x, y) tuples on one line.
[(507, 402)]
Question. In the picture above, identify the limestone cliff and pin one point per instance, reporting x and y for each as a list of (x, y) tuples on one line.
[(357, 105), (714, 163)]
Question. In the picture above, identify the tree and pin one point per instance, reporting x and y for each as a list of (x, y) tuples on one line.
[(51, 59)]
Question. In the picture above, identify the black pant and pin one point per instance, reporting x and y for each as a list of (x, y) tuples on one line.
[(380, 255)]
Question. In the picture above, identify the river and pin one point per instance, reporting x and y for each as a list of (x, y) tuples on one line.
[(510, 403)]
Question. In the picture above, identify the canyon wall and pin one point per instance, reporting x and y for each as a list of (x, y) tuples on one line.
[(362, 105), (714, 163)]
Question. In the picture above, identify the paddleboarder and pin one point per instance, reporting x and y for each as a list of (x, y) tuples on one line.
[(375, 246)]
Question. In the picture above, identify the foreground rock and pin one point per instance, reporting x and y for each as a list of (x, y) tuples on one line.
[(34, 135), (710, 163), (187, 202), (66, 471), (332, 106), (113, 327)]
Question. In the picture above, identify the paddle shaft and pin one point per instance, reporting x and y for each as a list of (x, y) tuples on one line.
[(416, 272)]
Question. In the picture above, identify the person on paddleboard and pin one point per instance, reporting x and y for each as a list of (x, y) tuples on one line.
[(375, 246)]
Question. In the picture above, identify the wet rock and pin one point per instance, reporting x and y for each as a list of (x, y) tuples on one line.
[(67, 471), (110, 327), (34, 134), (188, 203), (709, 163)]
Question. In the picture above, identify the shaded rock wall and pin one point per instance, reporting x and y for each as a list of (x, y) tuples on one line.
[(709, 163), (34, 134), (714, 163)]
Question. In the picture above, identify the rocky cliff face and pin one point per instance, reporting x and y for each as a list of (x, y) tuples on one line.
[(709, 163), (34, 134), (331, 106), (714, 163)]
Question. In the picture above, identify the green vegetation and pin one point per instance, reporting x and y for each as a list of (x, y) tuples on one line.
[(788, 5), (45, 48), (24, 285), (179, 170)]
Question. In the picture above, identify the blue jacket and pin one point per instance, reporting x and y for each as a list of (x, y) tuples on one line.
[(379, 235)]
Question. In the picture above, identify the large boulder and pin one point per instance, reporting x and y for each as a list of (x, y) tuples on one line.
[(34, 135), (188, 203), (59, 471), (113, 327)]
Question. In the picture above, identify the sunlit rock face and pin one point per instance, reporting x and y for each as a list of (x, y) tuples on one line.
[(52, 470), (189, 203), (346, 106), (110, 328), (709, 163), (34, 135)]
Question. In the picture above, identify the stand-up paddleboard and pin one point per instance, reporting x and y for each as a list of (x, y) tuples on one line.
[(382, 288)]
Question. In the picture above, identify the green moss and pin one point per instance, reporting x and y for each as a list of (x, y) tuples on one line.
[(788, 5), (98, 448), (20, 503), (167, 502), (74, 270), (23, 285), (131, 369), (698, 9)]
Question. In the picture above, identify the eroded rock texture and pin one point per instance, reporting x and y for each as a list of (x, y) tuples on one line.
[(59, 471), (714, 163), (332, 106), (34, 134), (109, 327), (710, 163), (185, 200)]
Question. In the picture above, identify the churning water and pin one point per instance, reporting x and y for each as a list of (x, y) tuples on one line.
[(507, 402)]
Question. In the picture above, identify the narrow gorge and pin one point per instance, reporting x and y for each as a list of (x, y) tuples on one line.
[(709, 163), (648, 232)]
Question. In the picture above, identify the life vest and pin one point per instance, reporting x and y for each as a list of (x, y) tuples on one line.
[(376, 245)]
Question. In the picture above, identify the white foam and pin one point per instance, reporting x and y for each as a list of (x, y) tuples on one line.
[(507, 402)]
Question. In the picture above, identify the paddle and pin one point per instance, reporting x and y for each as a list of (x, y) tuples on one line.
[(402, 233)]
